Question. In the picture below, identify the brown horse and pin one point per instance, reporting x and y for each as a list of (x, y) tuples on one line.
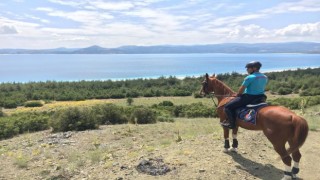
[(279, 125)]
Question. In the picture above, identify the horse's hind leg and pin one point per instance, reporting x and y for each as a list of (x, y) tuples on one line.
[(296, 156), (286, 159)]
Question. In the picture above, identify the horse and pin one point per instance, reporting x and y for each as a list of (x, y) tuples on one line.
[(279, 125)]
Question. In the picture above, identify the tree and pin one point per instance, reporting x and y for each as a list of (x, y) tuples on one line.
[(129, 101)]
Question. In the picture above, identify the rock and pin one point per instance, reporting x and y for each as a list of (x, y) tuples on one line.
[(123, 167), (202, 170), (153, 167)]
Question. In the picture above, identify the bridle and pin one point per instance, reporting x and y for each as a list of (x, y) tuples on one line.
[(212, 94)]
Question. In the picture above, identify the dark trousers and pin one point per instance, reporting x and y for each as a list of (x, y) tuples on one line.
[(237, 102)]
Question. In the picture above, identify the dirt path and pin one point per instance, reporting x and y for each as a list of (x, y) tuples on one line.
[(113, 152)]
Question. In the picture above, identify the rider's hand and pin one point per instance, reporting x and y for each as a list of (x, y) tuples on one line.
[(239, 95)]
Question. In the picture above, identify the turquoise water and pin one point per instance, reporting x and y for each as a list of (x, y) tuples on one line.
[(67, 67)]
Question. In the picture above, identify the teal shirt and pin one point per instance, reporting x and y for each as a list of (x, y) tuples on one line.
[(255, 83)]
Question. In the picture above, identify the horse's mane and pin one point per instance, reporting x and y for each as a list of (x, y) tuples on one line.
[(226, 89)]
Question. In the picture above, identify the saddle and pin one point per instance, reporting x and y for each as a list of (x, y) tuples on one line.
[(249, 112)]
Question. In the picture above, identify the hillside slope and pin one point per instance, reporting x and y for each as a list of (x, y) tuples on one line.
[(113, 152)]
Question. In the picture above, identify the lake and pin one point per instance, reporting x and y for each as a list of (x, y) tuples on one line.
[(75, 67)]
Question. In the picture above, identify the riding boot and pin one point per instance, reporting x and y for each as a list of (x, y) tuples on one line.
[(231, 119)]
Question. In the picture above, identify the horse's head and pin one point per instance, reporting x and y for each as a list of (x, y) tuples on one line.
[(207, 85)]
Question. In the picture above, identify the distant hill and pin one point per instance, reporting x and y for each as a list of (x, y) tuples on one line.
[(290, 47)]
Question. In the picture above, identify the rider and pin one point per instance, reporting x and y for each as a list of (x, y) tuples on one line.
[(252, 88)]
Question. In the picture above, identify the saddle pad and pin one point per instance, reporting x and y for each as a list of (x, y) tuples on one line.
[(249, 114)]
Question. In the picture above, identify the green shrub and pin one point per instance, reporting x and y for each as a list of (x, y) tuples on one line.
[(129, 101), (33, 104), (109, 114), (1, 112), (293, 103), (284, 91), (166, 103), (197, 95), (10, 104), (194, 110), (179, 92), (165, 119), (143, 116), (21, 123), (73, 119)]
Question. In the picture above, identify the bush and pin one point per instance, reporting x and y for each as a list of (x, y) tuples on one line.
[(1, 112), (165, 119), (129, 101), (109, 114), (194, 110), (166, 103), (143, 116), (178, 92), (284, 91), (10, 104), (33, 104), (73, 119), (21, 123), (293, 103), (197, 95)]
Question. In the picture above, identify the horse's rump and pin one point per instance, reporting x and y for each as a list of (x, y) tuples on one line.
[(282, 125)]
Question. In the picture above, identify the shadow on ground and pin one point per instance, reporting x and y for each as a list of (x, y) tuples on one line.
[(261, 171)]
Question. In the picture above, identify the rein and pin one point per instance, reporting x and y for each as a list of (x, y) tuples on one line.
[(212, 95)]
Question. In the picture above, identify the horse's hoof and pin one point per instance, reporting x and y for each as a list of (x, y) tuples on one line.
[(286, 177), (294, 176), (225, 150), (234, 150)]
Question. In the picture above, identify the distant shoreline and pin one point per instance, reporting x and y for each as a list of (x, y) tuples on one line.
[(157, 77), (281, 47), (75, 68)]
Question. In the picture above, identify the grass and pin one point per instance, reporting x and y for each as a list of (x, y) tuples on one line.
[(21, 160), (156, 100), (308, 113), (312, 115), (145, 101), (76, 160), (121, 144)]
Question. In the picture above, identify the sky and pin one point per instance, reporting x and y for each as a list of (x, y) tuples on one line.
[(43, 24)]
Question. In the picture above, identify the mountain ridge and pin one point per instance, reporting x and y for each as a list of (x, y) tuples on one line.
[(286, 47)]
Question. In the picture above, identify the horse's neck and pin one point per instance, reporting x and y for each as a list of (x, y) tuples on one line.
[(221, 90)]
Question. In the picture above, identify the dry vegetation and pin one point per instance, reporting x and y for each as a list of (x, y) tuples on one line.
[(192, 148)]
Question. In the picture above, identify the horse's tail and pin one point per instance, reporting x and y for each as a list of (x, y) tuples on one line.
[(301, 130)]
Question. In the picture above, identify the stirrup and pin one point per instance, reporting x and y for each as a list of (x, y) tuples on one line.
[(228, 125)]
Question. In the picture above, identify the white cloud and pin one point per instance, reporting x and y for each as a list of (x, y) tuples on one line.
[(301, 6), (234, 20), (249, 31), (157, 20), (112, 23), (309, 29), (45, 9), (36, 18), (74, 3), (112, 5), (92, 18), (8, 29)]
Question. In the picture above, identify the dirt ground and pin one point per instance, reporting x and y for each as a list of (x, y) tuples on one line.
[(114, 152)]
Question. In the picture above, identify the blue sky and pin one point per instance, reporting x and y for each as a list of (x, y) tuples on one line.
[(112, 23)]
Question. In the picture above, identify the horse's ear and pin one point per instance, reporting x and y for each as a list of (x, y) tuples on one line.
[(214, 75), (207, 76)]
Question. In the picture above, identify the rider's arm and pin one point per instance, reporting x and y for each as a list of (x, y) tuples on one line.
[(241, 90)]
